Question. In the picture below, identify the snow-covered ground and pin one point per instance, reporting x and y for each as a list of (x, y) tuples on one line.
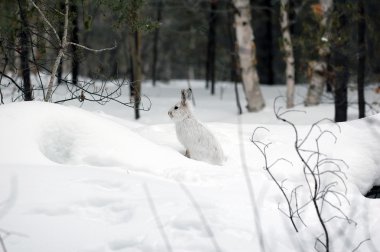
[(85, 177)]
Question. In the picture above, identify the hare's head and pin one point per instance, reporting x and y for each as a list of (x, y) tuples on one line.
[(182, 109)]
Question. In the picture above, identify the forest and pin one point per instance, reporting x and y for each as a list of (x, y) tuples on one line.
[(189, 125), (325, 44)]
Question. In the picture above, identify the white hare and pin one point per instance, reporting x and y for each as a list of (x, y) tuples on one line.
[(199, 142)]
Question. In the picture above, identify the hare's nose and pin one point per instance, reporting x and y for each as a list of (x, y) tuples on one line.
[(170, 114)]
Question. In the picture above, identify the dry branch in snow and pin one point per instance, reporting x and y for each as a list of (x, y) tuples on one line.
[(322, 176)]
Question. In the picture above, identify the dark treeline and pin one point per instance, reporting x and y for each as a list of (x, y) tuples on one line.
[(182, 42), (184, 37)]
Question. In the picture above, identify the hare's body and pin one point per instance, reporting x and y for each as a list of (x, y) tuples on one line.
[(199, 142)]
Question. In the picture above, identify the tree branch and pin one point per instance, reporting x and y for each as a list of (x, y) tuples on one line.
[(46, 20), (93, 50)]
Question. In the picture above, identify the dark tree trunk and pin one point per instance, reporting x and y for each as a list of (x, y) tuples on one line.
[(362, 58), (6, 60), (131, 71), (135, 86), (60, 33), (115, 64), (233, 58), (292, 16), (210, 63), (340, 61), (155, 42), (232, 45), (74, 39), (264, 40), (24, 54), (341, 80), (59, 73)]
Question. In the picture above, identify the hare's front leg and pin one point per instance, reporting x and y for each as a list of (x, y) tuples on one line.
[(187, 154)]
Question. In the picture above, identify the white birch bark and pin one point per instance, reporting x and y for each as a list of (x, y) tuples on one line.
[(318, 69), (247, 55), (289, 56), (63, 45)]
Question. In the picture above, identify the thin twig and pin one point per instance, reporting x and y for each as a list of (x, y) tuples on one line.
[(267, 168), (313, 174), (12, 80), (357, 247)]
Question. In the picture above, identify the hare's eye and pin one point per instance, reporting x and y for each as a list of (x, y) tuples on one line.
[(175, 107)]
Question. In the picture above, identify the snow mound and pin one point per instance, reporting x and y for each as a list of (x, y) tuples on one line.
[(69, 135), (358, 145), (45, 133)]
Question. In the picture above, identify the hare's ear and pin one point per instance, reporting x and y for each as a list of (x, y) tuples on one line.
[(185, 95)]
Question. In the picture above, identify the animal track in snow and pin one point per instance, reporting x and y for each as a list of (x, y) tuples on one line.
[(112, 210), (106, 185)]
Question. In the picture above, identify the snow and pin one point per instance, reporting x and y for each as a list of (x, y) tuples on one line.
[(85, 177)]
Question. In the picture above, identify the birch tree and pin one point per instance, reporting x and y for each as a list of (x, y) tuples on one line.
[(246, 50), (64, 44), (318, 69), (289, 56)]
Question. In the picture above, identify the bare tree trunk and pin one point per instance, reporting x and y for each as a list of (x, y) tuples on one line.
[(264, 40), (340, 61), (233, 61), (6, 61), (24, 55), (247, 55), (134, 46), (289, 57), (60, 34), (210, 63), (155, 42), (75, 39), (319, 69), (59, 72), (190, 70), (60, 53), (362, 58)]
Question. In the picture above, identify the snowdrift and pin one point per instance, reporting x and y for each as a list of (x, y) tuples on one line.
[(73, 180)]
